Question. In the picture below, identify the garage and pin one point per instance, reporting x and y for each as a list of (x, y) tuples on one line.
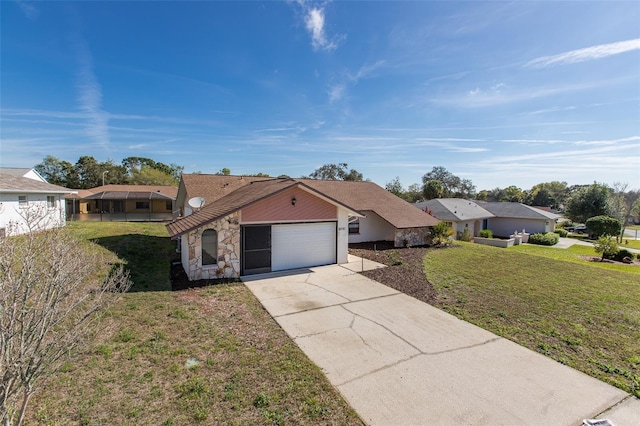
[(301, 245)]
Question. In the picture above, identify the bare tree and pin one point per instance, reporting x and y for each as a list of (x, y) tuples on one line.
[(51, 287), (623, 204)]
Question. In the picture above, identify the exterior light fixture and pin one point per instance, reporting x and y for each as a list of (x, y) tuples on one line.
[(293, 201)]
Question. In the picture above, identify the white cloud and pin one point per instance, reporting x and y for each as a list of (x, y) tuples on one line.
[(365, 71), (336, 92), (495, 95), (90, 95), (314, 21), (586, 54), (554, 109), (28, 9)]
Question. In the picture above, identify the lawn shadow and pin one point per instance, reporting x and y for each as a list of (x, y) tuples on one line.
[(147, 258)]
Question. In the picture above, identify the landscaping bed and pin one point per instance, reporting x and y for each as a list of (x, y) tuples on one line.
[(406, 275)]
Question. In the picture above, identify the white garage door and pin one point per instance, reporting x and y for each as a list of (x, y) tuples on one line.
[(302, 244)]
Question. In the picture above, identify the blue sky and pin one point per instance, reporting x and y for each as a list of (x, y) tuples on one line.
[(502, 93)]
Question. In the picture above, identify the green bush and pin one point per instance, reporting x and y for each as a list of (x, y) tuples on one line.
[(564, 224), (603, 225), (441, 233), (486, 233), (465, 235), (621, 254), (548, 239), (561, 232)]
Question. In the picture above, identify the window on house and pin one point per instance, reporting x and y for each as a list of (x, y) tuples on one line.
[(51, 201), (169, 205), (354, 226), (23, 201), (209, 247), (142, 205)]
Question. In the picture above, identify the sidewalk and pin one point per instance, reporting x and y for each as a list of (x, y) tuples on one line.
[(564, 243)]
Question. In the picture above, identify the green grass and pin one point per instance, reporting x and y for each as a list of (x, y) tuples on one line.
[(580, 254), (576, 312), (627, 243), (211, 355), (145, 249)]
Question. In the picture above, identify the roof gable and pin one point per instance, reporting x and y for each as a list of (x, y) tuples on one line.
[(367, 196), (455, 209), (23, 172), (226, 194), (517, 210), (244, 196), (19, 184), (210, 187)]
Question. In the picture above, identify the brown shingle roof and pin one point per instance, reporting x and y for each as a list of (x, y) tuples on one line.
[(211, 187), (367, 196), (226, 194), (250, 193), (121, 192)]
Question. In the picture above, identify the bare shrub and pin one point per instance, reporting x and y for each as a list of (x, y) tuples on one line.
[(52, 285)]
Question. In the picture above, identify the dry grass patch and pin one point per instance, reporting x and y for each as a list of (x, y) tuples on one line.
[(210, 355)]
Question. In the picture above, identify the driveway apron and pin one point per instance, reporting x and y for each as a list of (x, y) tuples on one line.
[(399, 361)]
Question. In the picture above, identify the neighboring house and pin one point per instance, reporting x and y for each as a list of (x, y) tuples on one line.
[(511, 217), (502, 218), (458, 213), (238, 225), (122, 203), (28, 202)]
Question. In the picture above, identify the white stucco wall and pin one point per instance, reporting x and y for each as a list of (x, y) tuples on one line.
[(184, 252), (373, 228), (342, 254), (459, 227), (503, 226), (12, 213)]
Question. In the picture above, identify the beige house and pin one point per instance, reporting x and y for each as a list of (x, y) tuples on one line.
[(122, 203)]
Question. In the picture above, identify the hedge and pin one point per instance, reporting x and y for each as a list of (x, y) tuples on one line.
[(548, 239)]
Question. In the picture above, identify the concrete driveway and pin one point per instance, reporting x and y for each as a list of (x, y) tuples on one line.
[(397, 360)]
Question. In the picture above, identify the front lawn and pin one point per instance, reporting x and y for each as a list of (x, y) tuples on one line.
[(580, 254), (210, 355), (579, 314)]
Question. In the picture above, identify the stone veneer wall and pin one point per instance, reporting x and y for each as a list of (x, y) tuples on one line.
[(228, 229), (412, 237)]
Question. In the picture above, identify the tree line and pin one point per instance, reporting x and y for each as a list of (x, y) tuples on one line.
[(578, 202), (87, 172)]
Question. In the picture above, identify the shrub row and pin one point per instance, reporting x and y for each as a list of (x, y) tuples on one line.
[(561, 232), (486, 233), (548, 239)]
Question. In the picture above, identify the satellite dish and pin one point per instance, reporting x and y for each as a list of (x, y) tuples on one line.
[(196, 203)]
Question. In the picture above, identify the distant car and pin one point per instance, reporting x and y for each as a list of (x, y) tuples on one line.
[(580, 229)]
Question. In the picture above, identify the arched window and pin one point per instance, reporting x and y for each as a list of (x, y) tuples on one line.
[(209, 247)]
